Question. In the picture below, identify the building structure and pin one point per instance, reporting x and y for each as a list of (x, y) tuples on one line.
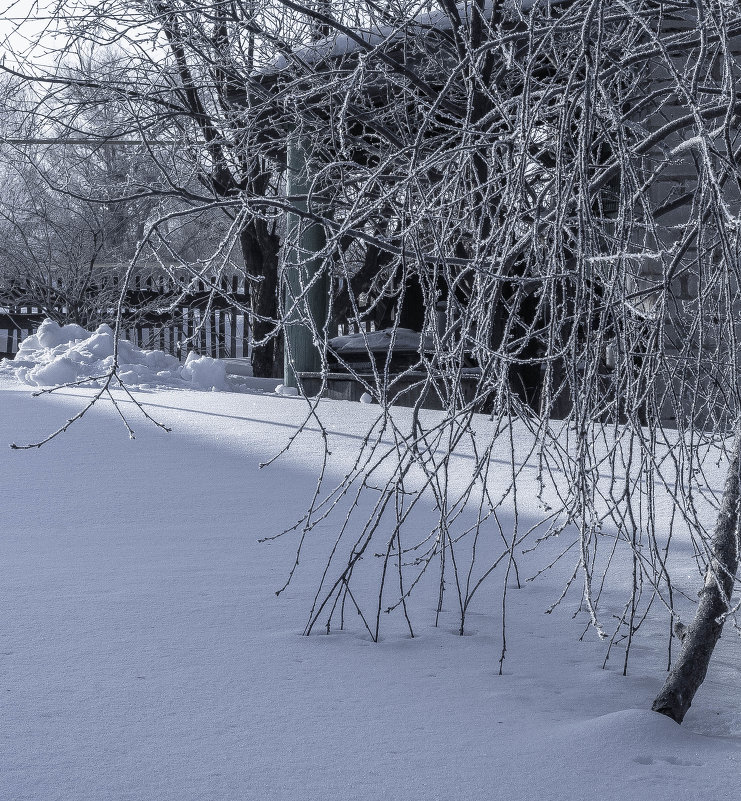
[(625, 136)]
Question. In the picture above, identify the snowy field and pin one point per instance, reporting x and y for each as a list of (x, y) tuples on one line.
[(145, 655)]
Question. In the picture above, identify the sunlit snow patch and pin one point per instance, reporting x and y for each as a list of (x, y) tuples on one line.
[(67, 354), (204, 372)]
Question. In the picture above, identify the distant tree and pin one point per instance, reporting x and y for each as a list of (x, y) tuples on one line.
[(138, 74), (71, 217)]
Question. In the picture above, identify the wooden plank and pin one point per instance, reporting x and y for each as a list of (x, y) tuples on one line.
[(201, 347), (214, 322), (245, 337), (186, 331)]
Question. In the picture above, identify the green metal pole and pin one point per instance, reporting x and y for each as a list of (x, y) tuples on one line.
[(304, 240)]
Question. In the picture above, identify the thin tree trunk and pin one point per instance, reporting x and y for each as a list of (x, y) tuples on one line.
[(699, 640), (260, 252)]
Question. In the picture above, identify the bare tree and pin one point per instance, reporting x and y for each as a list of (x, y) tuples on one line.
[(188, 74), (552, 188), (173, 79), (560, 184)]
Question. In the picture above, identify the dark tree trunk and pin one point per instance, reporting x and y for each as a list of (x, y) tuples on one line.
[(260, 252), (699, 640)]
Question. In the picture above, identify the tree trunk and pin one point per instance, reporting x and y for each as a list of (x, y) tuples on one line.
[(260, 252), (699, 640)]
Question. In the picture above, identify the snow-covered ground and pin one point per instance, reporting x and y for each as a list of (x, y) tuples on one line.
[(144, 654)]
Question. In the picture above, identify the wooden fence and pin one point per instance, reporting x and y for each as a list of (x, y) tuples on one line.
[(206, 322)]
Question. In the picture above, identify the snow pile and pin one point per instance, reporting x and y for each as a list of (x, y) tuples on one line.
[(204, 372), (66, 354)]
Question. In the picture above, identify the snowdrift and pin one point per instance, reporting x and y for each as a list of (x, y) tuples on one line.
[(69, 354)]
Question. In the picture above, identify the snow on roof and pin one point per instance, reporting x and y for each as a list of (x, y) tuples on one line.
[(338, 44)]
